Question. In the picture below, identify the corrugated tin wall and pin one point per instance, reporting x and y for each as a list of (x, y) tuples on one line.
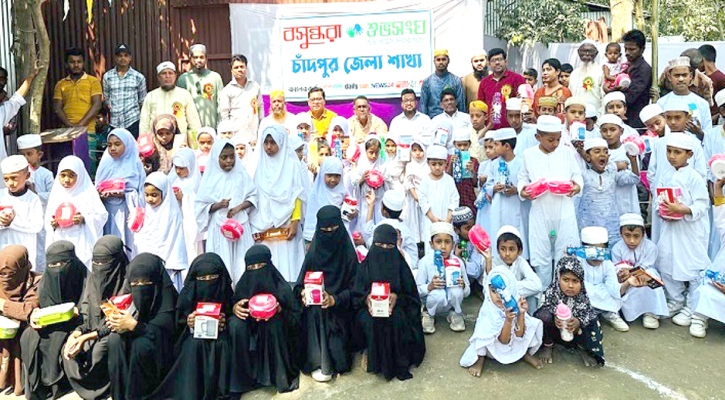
[(208, 25), (6, 43)]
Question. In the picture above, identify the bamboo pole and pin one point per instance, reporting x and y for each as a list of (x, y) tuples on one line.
[(655, 39)]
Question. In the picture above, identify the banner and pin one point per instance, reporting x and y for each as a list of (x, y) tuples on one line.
[(376, 55)]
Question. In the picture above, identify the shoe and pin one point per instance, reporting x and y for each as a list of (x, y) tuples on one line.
[(673, 308), (429, 323), (319, 376), (456, 322), (650, 321), (616, 321), (698, 328), (683, 318)]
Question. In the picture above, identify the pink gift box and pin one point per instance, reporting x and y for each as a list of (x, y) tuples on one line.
[(262, 306)]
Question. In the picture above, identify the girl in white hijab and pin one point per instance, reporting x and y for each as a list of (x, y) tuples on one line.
[(500, 334), (328, 189), (281, 197), (393, 170), (185, 179), (416, 169), (226, 191), (73, 185), (121, 161), (162, 232), (369, 160)]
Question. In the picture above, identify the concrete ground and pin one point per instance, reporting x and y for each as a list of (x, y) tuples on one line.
[(666, 363)]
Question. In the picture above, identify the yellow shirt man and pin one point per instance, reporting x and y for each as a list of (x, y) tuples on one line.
[(77, 97)]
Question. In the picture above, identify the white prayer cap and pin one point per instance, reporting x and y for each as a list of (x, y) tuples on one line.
[(595, 142), (461, 135), (226, 125), (508, 229), (650, 111), (611, 119), (13, 164), (548, 124), (393, 200), (681, 61), (587, 41), (489, 135), (595, 235), (590, 111), (513, 104), (436, 152), (209, 130), (165, 65), (679, 140), (441, 227), (504, 134), (631, 219), (29, 141), (720, 98), (612, 96), (677, 105), (575, 101), (296, 141), (197, 47), (461, 215)]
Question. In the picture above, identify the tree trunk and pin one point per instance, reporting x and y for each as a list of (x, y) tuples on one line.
[(639, 14), (621, 18)]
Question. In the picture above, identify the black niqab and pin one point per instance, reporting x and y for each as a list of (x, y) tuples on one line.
[(108, 272), (199, 288), (64, 276), (151, 288)]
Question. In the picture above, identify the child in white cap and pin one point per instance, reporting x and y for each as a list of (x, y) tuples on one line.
[(392, 207), (601, 181), (680, 75), (21, 212), (590, 119), (463, 221), (525, 133), (615, 103), (682, 243), (438, 196), (40, 182), (600, 279), (636, 251), (435, 294), (612, 128), (465, 185), (552, 220), (483, 200)]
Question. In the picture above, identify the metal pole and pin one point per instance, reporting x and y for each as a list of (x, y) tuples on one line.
[(655, 39)]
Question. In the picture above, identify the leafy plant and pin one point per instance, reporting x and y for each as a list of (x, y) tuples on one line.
[(527, 22), (696, 20)]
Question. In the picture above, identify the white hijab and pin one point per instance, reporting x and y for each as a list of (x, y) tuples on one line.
[(162, 232), (342, 123), (128, 166), (249, 161), (493, 315), (415, 171), (185, 158), (278, 181), (321, 195), (217, 184), (363, 163)]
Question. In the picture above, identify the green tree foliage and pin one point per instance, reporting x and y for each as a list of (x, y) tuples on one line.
[(526, 22), (696, 20)]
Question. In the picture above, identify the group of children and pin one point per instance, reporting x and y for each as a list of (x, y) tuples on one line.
[(558, 199)]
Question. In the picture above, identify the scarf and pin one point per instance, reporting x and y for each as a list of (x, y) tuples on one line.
[(580, 306)]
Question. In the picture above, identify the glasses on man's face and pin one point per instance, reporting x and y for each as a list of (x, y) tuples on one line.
[(316, 99), (496, 60), (587, 51)]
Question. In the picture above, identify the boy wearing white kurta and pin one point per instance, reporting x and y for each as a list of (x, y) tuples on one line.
[(21, 212), (463, 221), (552, 220), (682, 243), (434, 292), (438, 196), (635, 250), (600, 279)]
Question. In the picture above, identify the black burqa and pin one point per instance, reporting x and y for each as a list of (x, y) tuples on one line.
[(139, 360), (62, 282), (87, 372), (265, 351), (325, 341), (202, 369), (396, 343)]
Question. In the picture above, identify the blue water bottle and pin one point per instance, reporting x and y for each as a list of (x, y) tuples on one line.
[(590, 253), (438, 261), (499, 286), (715, 276), (503, 172), (337, 146), (457, 170)]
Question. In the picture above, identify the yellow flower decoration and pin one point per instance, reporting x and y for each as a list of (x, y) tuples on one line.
[(254, 105), (588, 83), (208, 89), (506, 92), (178, 109)]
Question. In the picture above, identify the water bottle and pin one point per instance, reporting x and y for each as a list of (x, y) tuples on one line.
[(481, 200), (590, 253), (499, 286), (463, 244), (337, 146), (715, 276), (457, 170), (503, 172), (438, 261), (301, 134)]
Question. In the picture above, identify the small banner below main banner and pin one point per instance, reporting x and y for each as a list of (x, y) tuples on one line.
[(376, 55)]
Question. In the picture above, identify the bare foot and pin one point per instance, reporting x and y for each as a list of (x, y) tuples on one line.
[(364, 361), (477, 367), (589, 361), (546, 355), (533, 361)]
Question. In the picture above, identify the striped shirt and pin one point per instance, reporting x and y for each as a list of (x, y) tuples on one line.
[(124, 95)]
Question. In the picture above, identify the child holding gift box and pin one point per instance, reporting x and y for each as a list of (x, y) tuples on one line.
[(438, 196), (438, 295)]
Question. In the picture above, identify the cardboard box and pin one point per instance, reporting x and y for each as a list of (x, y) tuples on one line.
[(465, 159), (404, 147), (380, 299), (314, 287), (453, 272), (206, 321), (670, 194)]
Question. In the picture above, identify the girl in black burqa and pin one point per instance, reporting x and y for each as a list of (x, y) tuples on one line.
[(140, 349), (40, 346), (202, 370), (393, 344), (264, 351), (325, 347)]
